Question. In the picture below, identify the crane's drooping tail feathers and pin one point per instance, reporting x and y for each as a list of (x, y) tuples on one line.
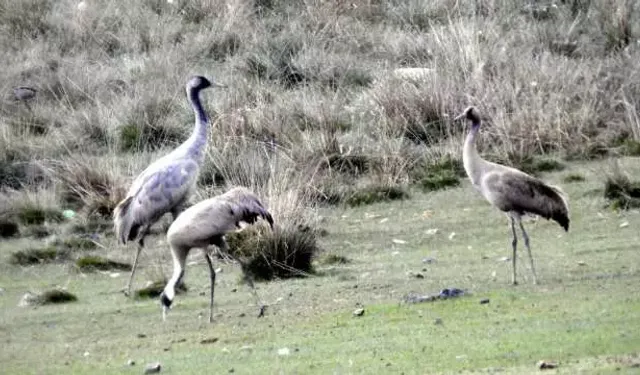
[(556, 208), (561, 216), (125, 229)]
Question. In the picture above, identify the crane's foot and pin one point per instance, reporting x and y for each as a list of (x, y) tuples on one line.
[(514, 282), (262, 310), (127, 292)]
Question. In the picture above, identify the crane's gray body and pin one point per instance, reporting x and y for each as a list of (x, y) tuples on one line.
[(204, 224), (165, 185), (512, 191)]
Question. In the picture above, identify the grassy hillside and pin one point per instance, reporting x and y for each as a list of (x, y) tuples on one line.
[(312, 90)]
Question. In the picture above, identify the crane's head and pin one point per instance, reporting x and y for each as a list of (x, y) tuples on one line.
[(471, 114), (201, 83)]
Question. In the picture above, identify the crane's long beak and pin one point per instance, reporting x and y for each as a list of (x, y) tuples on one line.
[(219, 85), (460, 116)]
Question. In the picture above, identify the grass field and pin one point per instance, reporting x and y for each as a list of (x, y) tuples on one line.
[(583, 315)]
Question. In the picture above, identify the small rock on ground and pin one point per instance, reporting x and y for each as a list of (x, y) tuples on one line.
[(484, 301), (284, 351), (153, 368), (131, 362), (210, 340), (546, 365), (358, 312)]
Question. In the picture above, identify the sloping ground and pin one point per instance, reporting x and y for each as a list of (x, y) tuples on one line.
[(583, 315)]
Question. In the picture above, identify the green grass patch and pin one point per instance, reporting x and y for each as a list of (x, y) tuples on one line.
[(533, 165), (438, 181), (98, 263), (154, 289), (374, 194), (330, 259), (76, 243), (438, 174), (573, 177), (55, 296), (33, 215), (91, 225), (37, 256), (630, 147), (38, 231)]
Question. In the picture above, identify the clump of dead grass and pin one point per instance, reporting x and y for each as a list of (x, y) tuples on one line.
[(620, 191), (90, 186), (289, 249)]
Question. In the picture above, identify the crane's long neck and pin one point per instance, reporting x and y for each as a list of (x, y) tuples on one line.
[(198, 138), (470, 157)]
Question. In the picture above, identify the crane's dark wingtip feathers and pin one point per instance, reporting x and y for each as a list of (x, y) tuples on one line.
[(269, 219)]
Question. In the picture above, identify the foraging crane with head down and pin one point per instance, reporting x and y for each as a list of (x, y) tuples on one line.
[(205, 223), (166, 184), (510, 190)]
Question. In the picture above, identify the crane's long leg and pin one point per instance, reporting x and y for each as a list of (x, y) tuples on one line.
[(212, 273), (134, 266), (514, 244), (526, 243), (224, 247), (249, 280)]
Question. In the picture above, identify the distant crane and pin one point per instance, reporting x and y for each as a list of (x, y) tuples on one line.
[(510, 190), (205, 223), (166, 184)]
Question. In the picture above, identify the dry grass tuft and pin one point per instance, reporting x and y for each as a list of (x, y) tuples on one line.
[(89, 186), (283, 253), (620, 190)]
